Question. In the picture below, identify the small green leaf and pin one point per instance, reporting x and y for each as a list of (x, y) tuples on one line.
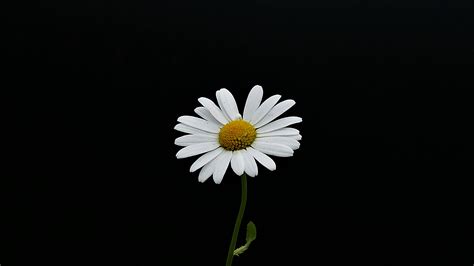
[(240, 250), (251, 236), (251, 232)]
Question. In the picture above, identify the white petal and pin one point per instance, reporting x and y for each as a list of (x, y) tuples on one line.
[(222, 162), (297, 137), (187, 140), (250, 165), (292, 143), (273, 148), (237, 163), (221, 104), (253, 101), (262, 158), (230, 106), (207, 171), (191, 130), (205, 159), (275, 112), (204, 113), (287, 131), (196, 149), (264, 109), (215, 111), (280, 123), (199, 123)]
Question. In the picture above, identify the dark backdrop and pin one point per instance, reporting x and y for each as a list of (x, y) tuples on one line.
[(382, 176)]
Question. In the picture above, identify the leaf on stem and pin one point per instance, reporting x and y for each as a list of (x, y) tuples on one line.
[(251, 236)]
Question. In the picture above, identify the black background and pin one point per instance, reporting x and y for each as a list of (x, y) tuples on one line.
[(382, 176)]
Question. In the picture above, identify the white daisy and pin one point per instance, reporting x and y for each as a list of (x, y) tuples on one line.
[(226, 137)]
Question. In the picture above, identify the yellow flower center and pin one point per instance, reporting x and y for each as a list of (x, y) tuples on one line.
[(237, 135)]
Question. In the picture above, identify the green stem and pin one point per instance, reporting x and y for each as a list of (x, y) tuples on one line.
[(243, 202)]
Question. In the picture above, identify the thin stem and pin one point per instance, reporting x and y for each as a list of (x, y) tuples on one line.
[(243, 202)]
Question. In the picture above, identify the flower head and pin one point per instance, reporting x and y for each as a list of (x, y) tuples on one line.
[(223, 136)]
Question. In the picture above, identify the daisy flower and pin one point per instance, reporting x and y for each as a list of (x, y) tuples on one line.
[(223, 137)]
